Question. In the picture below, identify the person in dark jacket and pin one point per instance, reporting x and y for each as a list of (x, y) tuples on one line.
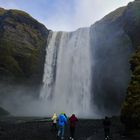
[(106, 124), (72, 121)]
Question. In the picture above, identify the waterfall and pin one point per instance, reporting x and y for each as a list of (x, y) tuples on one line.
[(48, 78), (67, 73)]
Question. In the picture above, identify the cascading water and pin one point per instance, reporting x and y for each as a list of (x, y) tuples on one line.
[(48, 78), (67, 73), (86, 71)]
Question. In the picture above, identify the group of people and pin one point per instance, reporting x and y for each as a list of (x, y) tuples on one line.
[(60, 122)]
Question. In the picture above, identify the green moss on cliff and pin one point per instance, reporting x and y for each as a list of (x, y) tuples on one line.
[(2, 11), (22, 45), (130, 112), (19, 13), (131, 108)]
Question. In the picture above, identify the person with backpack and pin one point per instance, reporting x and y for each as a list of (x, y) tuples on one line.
[(72, 121), (61, 125)]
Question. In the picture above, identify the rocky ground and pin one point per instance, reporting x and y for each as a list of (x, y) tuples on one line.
[(23, 128)]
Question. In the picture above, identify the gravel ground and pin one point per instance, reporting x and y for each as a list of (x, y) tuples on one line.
[(31, 128)]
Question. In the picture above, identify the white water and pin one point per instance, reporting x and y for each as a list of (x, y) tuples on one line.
[(67, 73)]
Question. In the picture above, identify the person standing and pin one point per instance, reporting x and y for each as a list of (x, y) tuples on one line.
[(54, 122), (72, 121), (106, 124), (61, 125)]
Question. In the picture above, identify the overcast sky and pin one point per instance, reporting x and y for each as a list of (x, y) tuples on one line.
[(65, 15)]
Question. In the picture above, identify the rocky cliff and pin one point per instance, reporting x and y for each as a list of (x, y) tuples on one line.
[(111, 48), (22, 47), (120, 30), (130, 113), (129, 21)]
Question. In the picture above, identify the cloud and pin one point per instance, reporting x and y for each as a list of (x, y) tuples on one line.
[(65, 14), (83, 13), (89, 11)]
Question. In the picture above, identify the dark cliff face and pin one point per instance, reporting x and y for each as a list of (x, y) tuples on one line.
[(112, 49), (131, 26), (130, 113), (117, 37), (22, 47), (118, 52)]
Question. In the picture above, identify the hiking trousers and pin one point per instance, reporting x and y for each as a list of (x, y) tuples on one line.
[(61, 131), (72, 131)]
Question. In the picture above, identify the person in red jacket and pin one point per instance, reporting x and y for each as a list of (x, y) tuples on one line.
[(72, 121)]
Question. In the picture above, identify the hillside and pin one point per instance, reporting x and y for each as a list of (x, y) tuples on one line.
[(22, 46)]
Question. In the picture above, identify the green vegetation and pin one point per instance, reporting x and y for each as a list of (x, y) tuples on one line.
[(2, 11), (22, 45), (131, 106), (130, 113)]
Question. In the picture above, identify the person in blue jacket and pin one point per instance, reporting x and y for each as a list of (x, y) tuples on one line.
[(62, 120)]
